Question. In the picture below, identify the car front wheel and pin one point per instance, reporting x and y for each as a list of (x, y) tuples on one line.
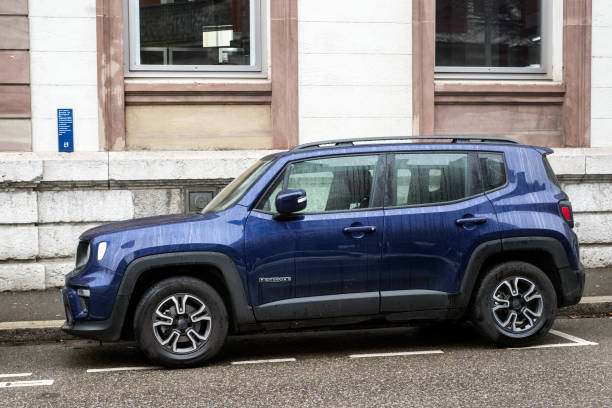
[(181, 322), (515, 304)]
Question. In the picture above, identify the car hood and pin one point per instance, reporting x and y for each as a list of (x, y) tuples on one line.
[(138, 223)]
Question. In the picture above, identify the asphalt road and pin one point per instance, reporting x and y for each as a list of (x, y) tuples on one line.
[(461, 370)]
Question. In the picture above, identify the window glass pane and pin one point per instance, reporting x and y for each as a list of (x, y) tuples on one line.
[(493, 170), (267, 202), (195, 32), (333, 184), (488, 33), (426, 178)]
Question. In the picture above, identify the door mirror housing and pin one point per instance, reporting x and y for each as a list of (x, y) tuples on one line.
[(290, 201)]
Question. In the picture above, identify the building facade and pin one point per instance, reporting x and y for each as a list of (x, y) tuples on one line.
[(168, 100)]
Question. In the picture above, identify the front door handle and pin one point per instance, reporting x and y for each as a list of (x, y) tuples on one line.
[(470, 220), (359, 228)]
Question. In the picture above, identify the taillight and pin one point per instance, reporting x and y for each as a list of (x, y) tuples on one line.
[(566, 211)]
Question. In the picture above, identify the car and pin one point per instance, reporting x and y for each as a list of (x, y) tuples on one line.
[(340, 232)]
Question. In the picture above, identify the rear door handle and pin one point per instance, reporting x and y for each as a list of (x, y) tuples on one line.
[(471, 220), (360, 228)]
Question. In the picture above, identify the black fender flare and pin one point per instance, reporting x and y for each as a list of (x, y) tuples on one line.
[(242, 312), (487, 249)]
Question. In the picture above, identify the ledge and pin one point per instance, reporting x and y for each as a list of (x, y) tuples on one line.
[(197, 93), (466, 92)]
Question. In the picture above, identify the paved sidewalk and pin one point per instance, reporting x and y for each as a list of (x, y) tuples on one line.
[(37, 315)]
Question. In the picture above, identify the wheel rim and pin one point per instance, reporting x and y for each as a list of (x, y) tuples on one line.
[(517, 305), (182, 323)]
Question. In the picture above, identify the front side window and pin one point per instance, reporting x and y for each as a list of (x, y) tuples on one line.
[(195, 35), (236, 189), (491, 36), (331, 184), (429, 178)]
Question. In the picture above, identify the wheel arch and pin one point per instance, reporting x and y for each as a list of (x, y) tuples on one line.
[(216, 269), (546, 253)]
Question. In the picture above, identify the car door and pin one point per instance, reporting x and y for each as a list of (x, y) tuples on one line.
[(435, 215), (325, 260)]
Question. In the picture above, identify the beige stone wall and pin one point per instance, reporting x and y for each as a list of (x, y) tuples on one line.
[(198, 127)]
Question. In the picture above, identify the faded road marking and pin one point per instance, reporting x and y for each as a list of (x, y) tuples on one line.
[(397, 354), (575, 342), (273, 360), (34, 383), (105, 370), (15, 375)]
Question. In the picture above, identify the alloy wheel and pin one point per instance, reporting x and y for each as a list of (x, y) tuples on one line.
[(517, 304), (182, 323)]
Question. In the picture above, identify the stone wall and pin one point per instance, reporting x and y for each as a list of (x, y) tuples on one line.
[(48, 199)]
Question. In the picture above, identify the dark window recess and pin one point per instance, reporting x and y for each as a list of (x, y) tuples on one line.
[(195, 32), (493, 170), (429, 178), (489, 33)]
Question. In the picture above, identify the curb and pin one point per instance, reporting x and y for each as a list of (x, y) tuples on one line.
[(50, 330)]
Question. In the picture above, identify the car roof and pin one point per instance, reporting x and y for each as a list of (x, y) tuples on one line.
[(402, 143)]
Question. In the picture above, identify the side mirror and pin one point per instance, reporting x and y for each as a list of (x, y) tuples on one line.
[(290, 201)]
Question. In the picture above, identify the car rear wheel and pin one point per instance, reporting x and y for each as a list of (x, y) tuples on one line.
[(181, 322), (515, 304)]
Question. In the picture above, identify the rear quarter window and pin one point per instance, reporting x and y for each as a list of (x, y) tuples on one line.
[(549, 171), (493, 168)]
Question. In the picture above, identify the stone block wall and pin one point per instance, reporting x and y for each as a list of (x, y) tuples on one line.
[(48, 199)]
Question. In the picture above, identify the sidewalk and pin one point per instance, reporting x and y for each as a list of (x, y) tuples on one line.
[(38, 315)]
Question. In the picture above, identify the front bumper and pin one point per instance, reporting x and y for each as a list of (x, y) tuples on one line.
[(103, 330), (572, 286)]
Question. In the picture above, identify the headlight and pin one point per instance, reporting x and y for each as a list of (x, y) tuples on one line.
[(101, 250), (82, 254)]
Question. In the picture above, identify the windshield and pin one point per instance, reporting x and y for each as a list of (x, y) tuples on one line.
[(234, 190)]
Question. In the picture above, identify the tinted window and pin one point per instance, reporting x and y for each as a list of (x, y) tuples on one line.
[(426, 178), (493, 170), (549, 171), (331, 184)]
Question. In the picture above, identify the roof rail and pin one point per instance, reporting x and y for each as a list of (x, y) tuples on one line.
[(454, 139)]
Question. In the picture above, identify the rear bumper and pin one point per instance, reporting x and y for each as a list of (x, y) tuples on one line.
[(572, 286)]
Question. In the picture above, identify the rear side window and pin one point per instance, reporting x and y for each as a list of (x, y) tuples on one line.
[(493, 169), (429, 178)]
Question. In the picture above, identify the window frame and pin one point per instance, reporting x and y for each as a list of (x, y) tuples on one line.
[(133, 68), (378, 183), (545, 71), (473, 166)]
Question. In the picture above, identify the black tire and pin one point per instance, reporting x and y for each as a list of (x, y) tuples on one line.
[(147, 335), (489, 323)]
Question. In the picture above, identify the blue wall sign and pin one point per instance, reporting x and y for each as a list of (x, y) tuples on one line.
[(65, 130)]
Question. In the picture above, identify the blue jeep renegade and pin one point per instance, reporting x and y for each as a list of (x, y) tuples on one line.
[(340, 232)]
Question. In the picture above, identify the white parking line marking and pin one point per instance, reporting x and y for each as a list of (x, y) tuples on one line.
[(34, 383), (104, 370), (401, 353), (576, 342), (573, 338), (273, 360), (15, 375)]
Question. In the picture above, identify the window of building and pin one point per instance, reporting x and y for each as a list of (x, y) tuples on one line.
[(195, 35), (331, 184), (429, 178), (493, 36)]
